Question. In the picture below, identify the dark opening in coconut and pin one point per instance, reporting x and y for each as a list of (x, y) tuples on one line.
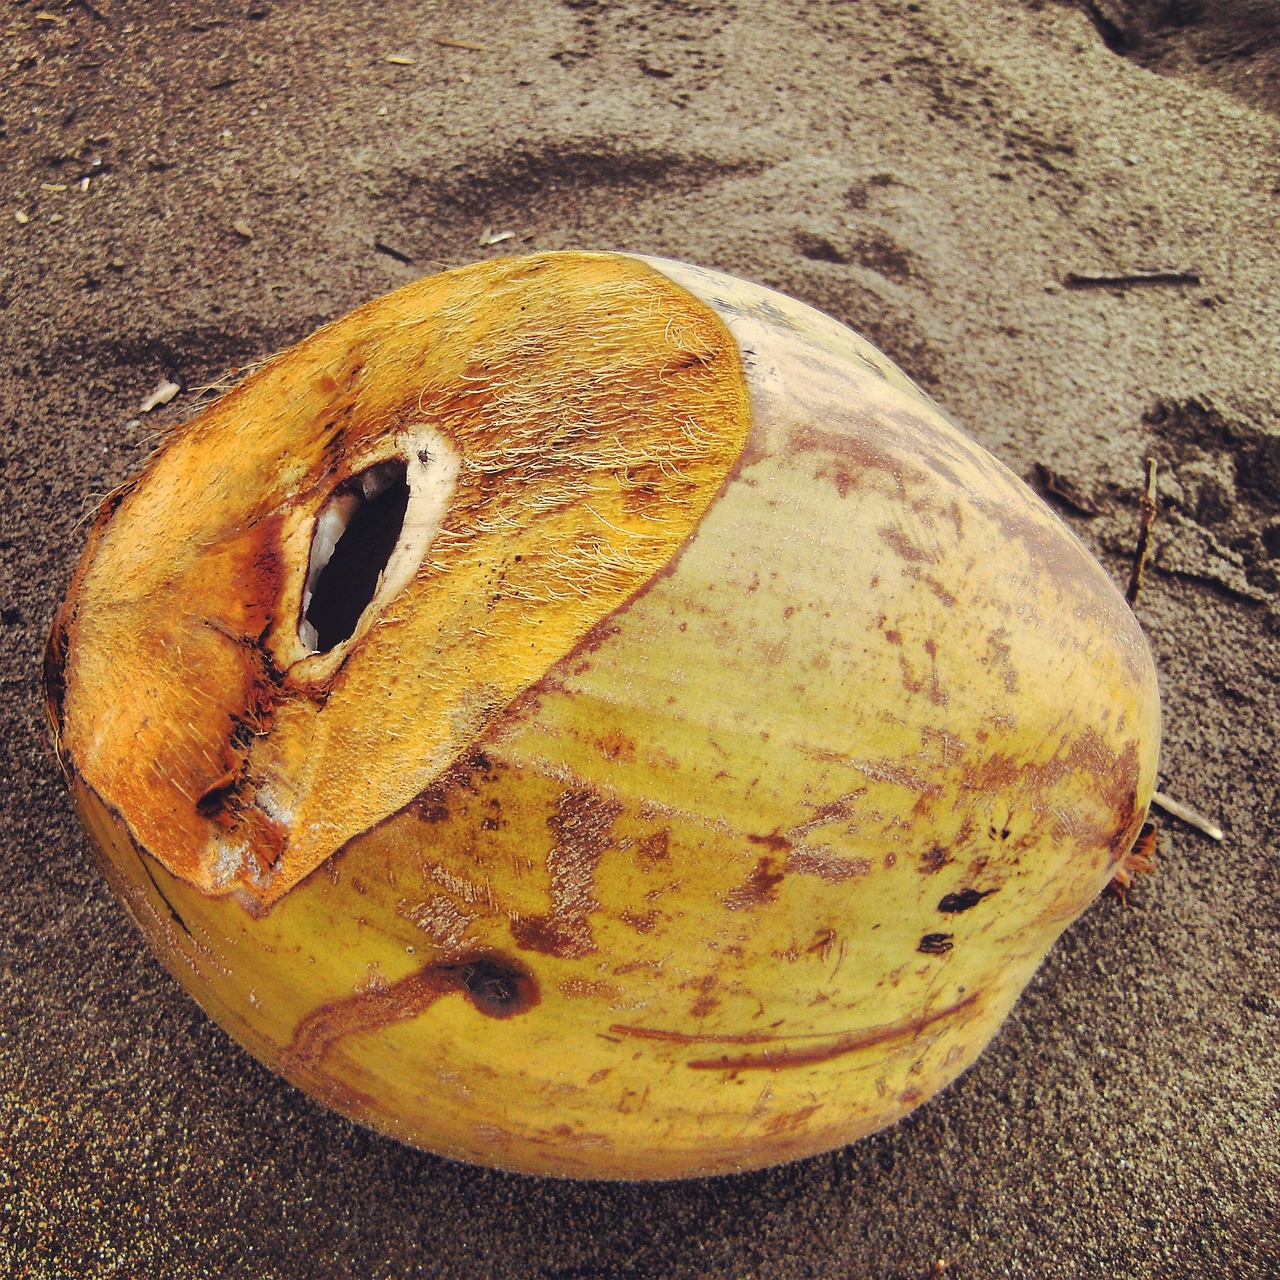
[(355, 534)]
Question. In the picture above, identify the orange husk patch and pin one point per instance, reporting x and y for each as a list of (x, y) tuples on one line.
[(591, 436)]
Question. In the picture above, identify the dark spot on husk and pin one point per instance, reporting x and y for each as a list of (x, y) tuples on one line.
[(772, 841), (824, 864), (546, 936), (640, 921), (431, 804), (497, 985), (705, 1003), (1121, 790), (846, 459), (217, 798), (111, 503), (933, 860), (1056, 560), (898, 542), (935, 944), (953, 903)]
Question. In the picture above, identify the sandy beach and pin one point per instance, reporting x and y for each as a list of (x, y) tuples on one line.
[(1060, 219)]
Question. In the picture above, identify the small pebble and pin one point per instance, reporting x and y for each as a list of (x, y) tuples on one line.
[(161, 395)]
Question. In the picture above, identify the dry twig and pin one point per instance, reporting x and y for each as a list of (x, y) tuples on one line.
[(1147, 511), (1187, 814), (1084, 280)]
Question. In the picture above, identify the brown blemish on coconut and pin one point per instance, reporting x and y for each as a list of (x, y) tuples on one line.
[(818, 860), (1051, 557), (784, 1121), (841, 809), (588, 989), (442, 920), (694, 1037), (914, 683), (1116, 772), (638, 966), (998, 656), (933, 859), (1121, 789), (616, 746), (822, 943), (938, 588), (759, 888), (933, 440), (431, 804), (496, 985), (583, 828), (937, 695), (846, 458), (790, 1053), (653, 849), (910, 681), (996, 774), (901, 545), (774, 840), (1001, 498), (1090, 752), (706, 1001), (950, 747), (899, 775), (641, 921)]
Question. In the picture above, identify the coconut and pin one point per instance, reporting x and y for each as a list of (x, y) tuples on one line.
[(591, 715)]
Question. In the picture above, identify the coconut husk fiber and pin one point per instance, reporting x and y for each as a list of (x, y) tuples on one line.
[(983, 190)]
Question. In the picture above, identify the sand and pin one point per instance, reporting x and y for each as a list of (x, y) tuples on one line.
[(187, 188)]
